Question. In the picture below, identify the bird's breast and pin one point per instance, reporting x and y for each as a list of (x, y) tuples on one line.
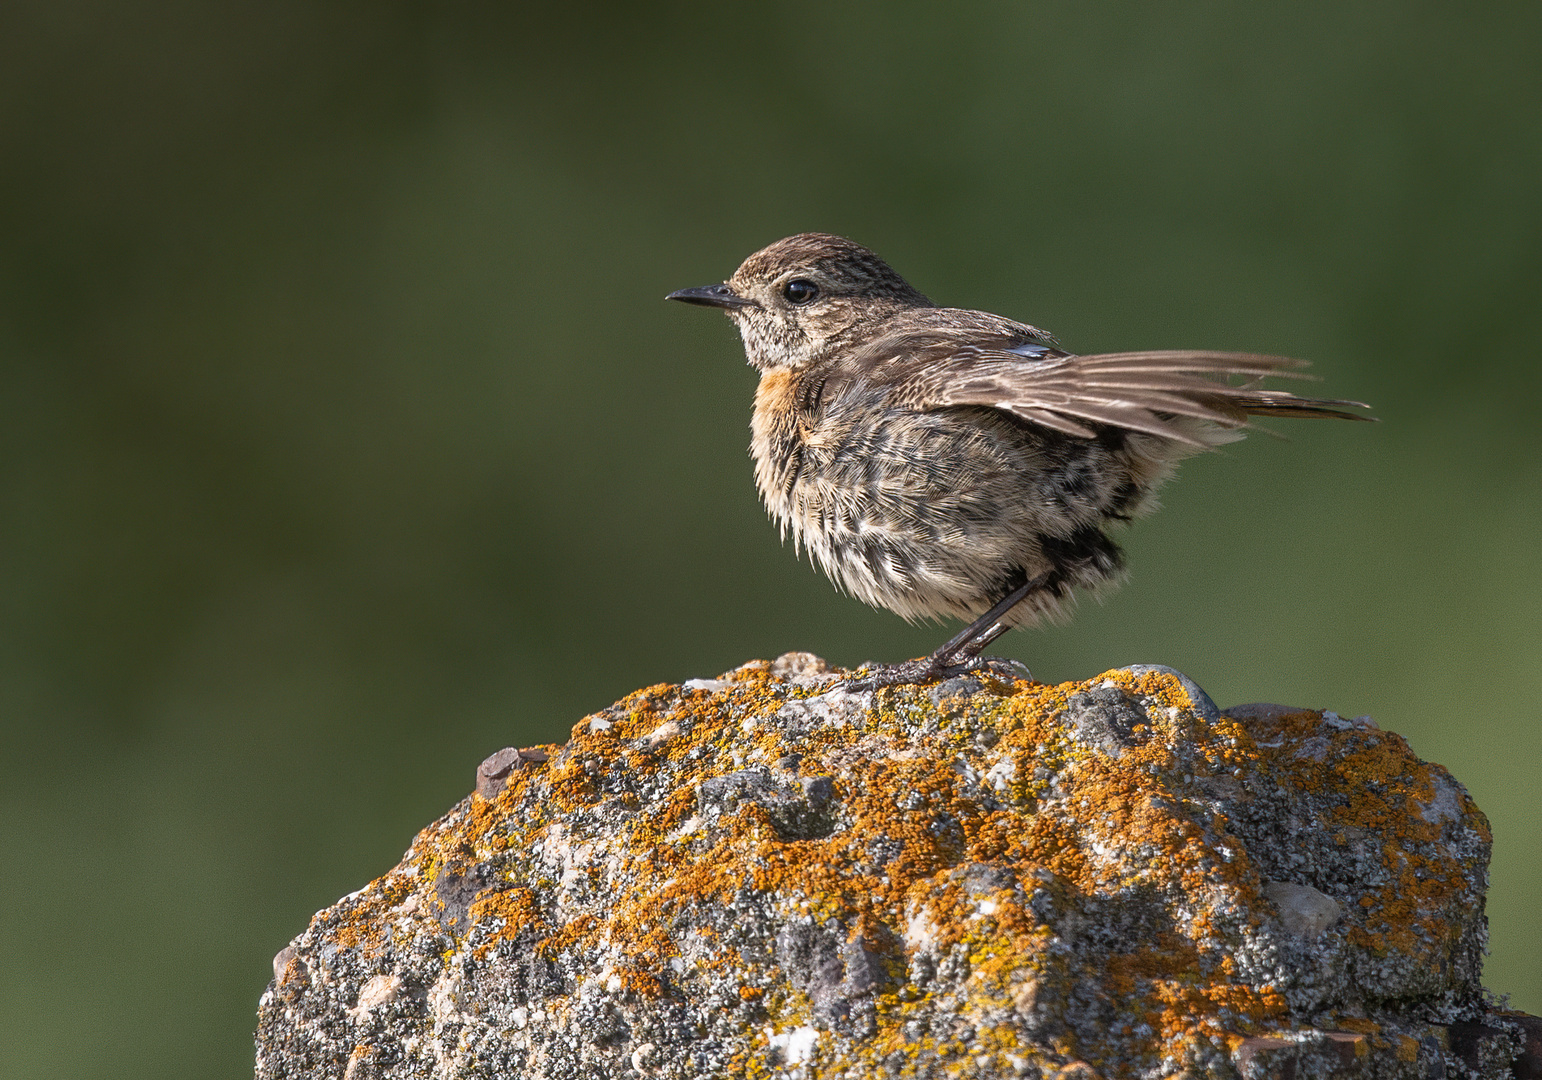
[(776, 440)]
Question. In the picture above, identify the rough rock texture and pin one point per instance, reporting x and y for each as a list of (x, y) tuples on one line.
[(766, 875)]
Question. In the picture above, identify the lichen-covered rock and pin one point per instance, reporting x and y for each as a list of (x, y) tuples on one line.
[(766, 875)]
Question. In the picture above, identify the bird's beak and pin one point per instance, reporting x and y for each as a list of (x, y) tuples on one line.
[(712, 296)]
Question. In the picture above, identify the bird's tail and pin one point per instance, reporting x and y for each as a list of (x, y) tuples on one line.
[(1280, 403)]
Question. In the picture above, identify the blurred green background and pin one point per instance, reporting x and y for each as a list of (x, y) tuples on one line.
[(346, 436)]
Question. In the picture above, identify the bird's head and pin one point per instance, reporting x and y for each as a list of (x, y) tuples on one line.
[(800, 298)]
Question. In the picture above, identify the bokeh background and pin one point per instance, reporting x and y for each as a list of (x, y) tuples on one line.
[(346, 436)]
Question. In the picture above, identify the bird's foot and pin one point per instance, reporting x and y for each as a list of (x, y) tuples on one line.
[(932, 668), (909, 673)]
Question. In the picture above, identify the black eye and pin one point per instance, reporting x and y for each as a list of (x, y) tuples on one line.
[(800, 291)]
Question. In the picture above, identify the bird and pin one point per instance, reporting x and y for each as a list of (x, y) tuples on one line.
[(947, 463)]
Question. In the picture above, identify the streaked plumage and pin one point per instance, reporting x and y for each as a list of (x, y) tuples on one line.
[(933, 459)]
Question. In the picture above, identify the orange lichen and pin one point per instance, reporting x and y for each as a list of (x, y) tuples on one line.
[(1079, 820), (364, 924), (506, 912)]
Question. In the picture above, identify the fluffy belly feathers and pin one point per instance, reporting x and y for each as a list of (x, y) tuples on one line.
[(933, 514)]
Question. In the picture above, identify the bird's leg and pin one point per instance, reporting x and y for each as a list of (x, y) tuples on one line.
[(982, 642), (960, 653)]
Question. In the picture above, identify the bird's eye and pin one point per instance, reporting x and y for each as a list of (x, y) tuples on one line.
[(800, 291)]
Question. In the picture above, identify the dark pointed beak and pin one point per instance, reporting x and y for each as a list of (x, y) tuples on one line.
[(712, 296)]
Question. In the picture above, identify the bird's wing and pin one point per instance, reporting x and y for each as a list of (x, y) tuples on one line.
[(1137, 391)]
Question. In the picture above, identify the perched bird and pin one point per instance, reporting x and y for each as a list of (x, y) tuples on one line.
[(943, 462)]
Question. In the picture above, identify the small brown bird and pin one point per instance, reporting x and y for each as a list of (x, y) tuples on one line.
[(943, 462)]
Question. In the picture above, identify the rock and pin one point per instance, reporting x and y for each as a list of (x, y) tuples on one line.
[(1304, 911), (766, 874), (493, 774)]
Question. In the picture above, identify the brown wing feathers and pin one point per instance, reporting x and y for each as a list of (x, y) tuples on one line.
[(1139, 391)]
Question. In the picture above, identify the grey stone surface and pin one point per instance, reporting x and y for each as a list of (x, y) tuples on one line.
[(766, 875), (1304, 911)]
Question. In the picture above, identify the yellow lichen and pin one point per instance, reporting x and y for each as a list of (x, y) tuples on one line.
[(1116, 825)]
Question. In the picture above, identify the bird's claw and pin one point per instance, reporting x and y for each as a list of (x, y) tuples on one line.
[(931, 669), (909, 673)]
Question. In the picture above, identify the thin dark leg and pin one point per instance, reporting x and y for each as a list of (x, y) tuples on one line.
[(987, 628), (981, 643), (961, 650)]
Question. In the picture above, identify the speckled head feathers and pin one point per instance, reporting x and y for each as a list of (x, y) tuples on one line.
[(838, 265), (810, 294)]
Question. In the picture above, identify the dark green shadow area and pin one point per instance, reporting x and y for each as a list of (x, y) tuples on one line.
[(345, 437)]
